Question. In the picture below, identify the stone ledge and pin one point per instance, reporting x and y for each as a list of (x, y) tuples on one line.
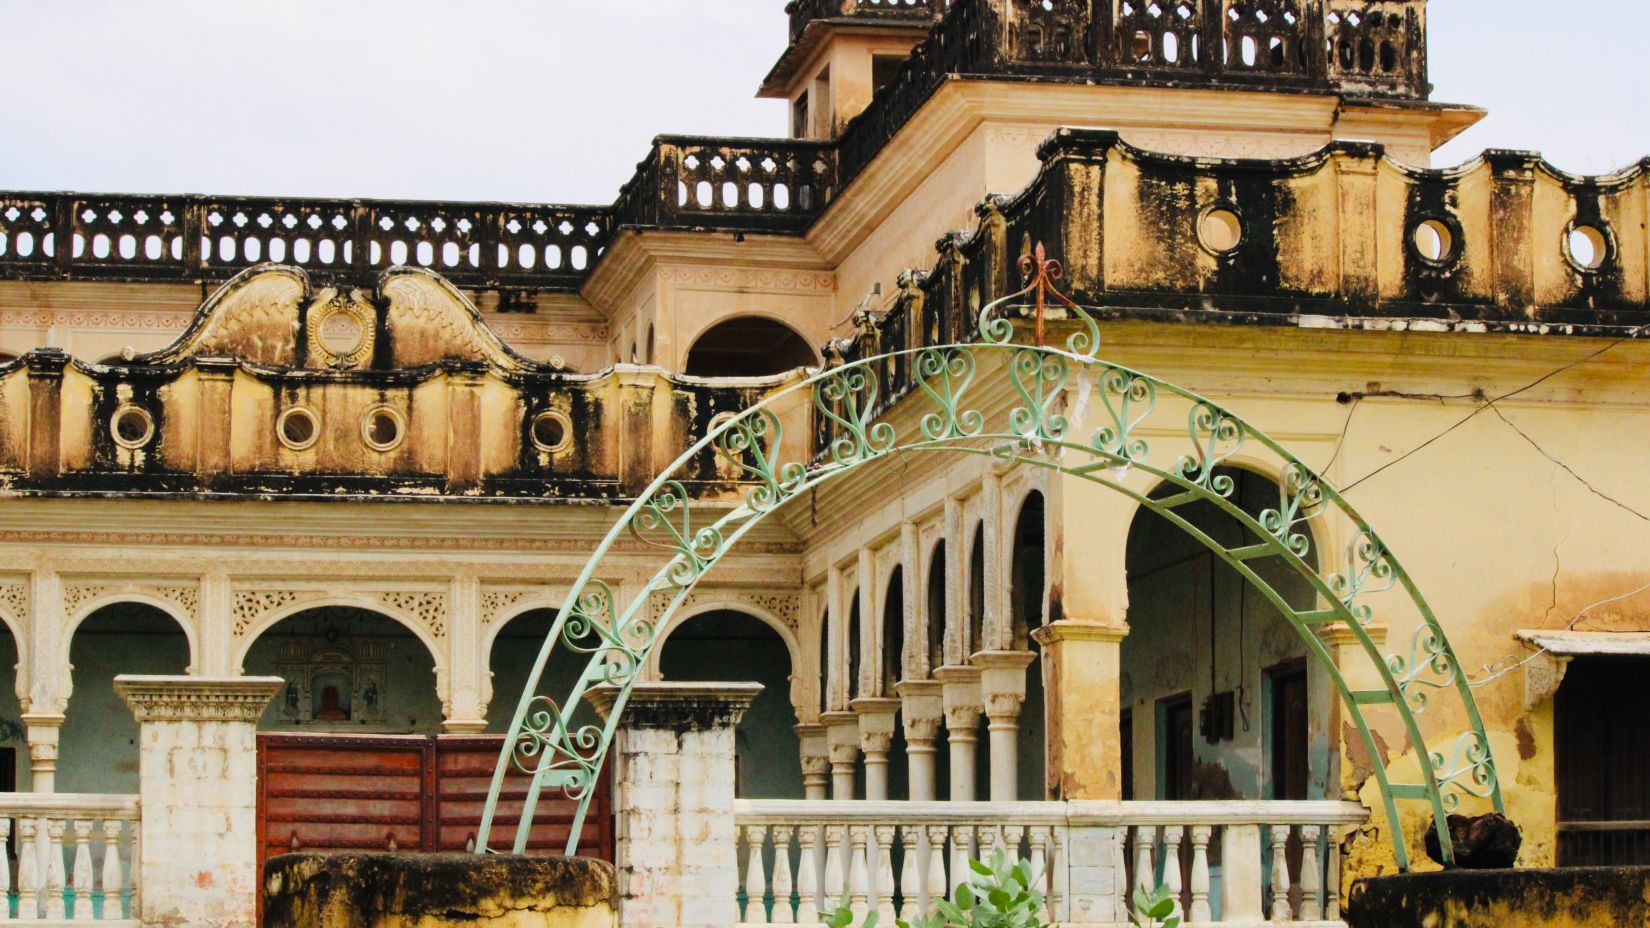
[(678, 706), (432, 890), (1546, 898), (197, 699)]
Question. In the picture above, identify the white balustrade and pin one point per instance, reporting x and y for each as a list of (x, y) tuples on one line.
[(1239, 862), (77, 857)]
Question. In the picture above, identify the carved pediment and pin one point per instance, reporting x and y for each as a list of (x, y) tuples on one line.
[(271, 316)]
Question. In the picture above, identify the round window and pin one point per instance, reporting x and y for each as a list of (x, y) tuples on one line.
[(132, 426), (297, 428), (1586, 246), (1220, 230), (1433, 241), (551, 431), (382, 428)]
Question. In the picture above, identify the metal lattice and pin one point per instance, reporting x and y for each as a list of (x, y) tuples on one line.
[(1041, 428)]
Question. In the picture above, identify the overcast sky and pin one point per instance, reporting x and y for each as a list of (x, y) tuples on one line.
[(555, 100)]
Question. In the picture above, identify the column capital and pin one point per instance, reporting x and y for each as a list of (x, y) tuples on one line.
[(960, 692), (876, 723), (197, 699), (1003, 681), (673, 705), (1066, 630), (922, 706)]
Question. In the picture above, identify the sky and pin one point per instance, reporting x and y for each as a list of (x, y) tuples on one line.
[(556, 100)]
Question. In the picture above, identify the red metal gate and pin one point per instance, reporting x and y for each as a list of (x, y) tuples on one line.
[(402, 792)]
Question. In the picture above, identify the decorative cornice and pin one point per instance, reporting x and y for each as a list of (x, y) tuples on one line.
[(678, 706), (197, 699)]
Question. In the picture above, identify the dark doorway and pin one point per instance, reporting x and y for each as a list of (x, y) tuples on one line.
[(1289, 769), (749, 346), (1176, 781), (1601, 720)]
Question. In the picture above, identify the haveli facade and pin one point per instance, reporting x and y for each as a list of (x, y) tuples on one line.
[(349, 456)]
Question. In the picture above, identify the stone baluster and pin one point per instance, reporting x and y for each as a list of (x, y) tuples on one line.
[(782, 875), (910, 870), (56, 877), (133, 878), (113, 877), (884, 886), (1145, 874), (836, 875), (5, 870), (756, 881), (807, 876), (1041, 872), (1332, 876), (1171, 864), (859, 871), (1200, 910), (1060, 894), (82, 883), (1013, 840), (934, 881), (28, 870), (961, 839), (1311, 875), (1280, 873), (986, 840)]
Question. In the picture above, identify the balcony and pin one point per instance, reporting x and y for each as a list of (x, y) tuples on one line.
[(77, 858), (1236, 862)]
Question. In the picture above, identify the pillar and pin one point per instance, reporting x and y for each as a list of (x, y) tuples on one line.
[(876, 733), (42, 729), (1081, 674), (673, 799), (816, 761), (463, 711), (1003, 690), (842, 742), (197, 776), (921, 708), (960, 700)]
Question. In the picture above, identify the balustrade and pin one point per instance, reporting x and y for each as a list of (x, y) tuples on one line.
[(1225, 862), (77, 857)]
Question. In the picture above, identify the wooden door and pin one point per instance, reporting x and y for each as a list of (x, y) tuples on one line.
[(1178, 759), (1601, 720)]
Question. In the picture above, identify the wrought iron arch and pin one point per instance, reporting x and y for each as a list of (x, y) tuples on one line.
[(1037, 430)]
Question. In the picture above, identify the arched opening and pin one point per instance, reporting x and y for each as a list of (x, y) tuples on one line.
[(14, 751), (1214, 678), (731, 646), (749, 346), (1026, 573), (347, 670), (936, 607), (510, 661), (648, 346), (976, 593), (850, 687), (6, 358), (98, 747), (825, 661), (893, 671)]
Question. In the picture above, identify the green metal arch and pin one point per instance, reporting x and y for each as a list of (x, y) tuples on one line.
[(1039, 433)]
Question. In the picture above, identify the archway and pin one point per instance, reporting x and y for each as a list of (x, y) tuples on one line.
[(730, 646), (14, 751), (1207, 657), (748, 346), (893, 671), (347, 670), (1145, 426), (98, 746), (510, 662), (1026, 581)]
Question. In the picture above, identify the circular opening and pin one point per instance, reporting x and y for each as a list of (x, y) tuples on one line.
[(297, 428), (132, 426), (1587, 247), (551, 431), (341, 333), (382, 428), (1220, 230), (1434, 241)]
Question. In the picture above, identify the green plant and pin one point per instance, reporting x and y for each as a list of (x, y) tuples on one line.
[(997, 895), (1154, 909)]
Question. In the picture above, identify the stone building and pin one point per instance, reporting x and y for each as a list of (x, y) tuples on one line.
[(339, 462)]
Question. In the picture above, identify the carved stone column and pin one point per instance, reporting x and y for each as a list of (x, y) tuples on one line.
[(876, 733), (816, 761), (922, 707), (197, 775), (677, 855), (960, 699), (842, 740), (42, 729), (1003, 688), (462, 711)]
